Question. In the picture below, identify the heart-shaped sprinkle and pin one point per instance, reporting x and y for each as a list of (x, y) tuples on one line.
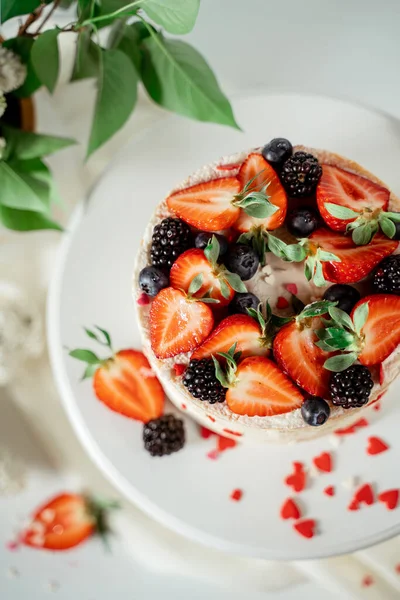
[(353, 428), (323, 462), (390, 498), (282, 302), (298, 467), (211, 418), (397, 568), (367, 581), (381, 374), (354, 505), (290, 510), (225, 443), (306, 527), (179, 369), (237, 495), (143, 299), (233, 432), (376, 446), (329, 491), (297, 480), (364, 494), (206, 433), (291, 288), (213, 454)]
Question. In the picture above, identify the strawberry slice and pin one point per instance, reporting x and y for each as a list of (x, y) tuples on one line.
[(256, 168), (296, 353), (124, 381), (381, 332), (178, 323), (207, 205), (194, 262), (351, 191), (261, 389), (240, 329), (65, 521), (356, 262)]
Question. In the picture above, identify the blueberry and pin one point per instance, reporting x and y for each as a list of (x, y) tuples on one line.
[(315, 411), (242, 301), (242, 260), (277, 151), (346, 296), (152, 280), (301, 222), (203, 237)]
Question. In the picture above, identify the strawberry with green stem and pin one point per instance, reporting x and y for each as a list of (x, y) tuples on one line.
[(369, 335), (123, 380), (202, 266), (350, 202)]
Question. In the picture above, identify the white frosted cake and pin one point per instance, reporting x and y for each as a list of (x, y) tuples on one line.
[(267, 291)]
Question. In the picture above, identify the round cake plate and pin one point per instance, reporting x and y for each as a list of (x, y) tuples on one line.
[(189, 492)]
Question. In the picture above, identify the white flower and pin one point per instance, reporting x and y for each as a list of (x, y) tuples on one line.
[(3, 104), (12, 71)]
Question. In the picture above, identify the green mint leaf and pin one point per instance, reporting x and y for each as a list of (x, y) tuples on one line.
[(15, 8), (174, 16), (252, 313), (316, 309), (86, 356), (360, 317), (362, 235), (196, 284), (208, 300), (249, 184), (309, 267), (295, 253), (340, 362), (26, 145), (177, 77), (106, 335), (87, 57), (22, 191), (340, 317), (220, 375), (259, 209), (235, 282), (91, 334), (225, 291), (323, 346), (26, 220), (22, 46), (45, 58), (341, 212), (212, 250), (394, 216), (116, 97), (276, 246), (297, 304), (89, 371), (387, 226), (280, 321), (339, 339), (327, 256), (319, 278), (245, 238)]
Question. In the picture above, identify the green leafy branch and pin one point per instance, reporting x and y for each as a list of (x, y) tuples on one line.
[(365, 223), (255, 203), (92, 360)]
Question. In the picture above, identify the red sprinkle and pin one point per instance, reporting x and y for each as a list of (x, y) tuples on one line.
[(282, 302), (205, 433), (390, 498), (298, 466), (179, 369), (290, 510), (306, 528), (143, 299), (233, 432), (12, 546), (323, 462), (183, 406), (367, 581), (397, 568), (213, 454), (211, 418), (381, 374), (230, 167), (225, 443), (297, 480), (291, 288), (353, 428), (376, 446), (329, 491), (236, 495), (364, 494), (377, 406)]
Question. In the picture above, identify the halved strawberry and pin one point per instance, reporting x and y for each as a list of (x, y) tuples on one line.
[(381, 331), (350, 191), (124, 381), (296, 353), (261, 389), (356, 262), (207, 205), (240, 329), (66, 521), (256, 168), (178, 323)]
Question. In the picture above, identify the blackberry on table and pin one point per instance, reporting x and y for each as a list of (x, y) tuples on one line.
[(164, 435), (386, 279), (351, 388), (170, 239), (300, 174), (201, 381)]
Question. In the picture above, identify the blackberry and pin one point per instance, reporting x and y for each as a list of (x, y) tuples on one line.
[(201, 381), (164, 435), (351, 388), (300, 174), (171, 237), (386, 279)]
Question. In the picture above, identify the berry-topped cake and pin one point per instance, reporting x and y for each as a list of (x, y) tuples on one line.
[(267, 289)]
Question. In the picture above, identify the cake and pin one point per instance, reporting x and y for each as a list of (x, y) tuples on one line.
[(267, 292)]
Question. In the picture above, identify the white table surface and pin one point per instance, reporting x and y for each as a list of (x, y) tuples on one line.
[(347, 49)]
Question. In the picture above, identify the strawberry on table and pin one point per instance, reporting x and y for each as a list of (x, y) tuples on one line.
[(350, 202), (220, 283), (123, 381), (66, 521), (178, 321)]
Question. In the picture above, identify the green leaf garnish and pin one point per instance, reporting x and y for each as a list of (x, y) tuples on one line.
[(212, 250), (360, 317), (387, 226), (341, 317), (234, 281), (340, 362), (341, 212), (196, 284), (393, 216), (86, 356), (225, 291), (362, 235)]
